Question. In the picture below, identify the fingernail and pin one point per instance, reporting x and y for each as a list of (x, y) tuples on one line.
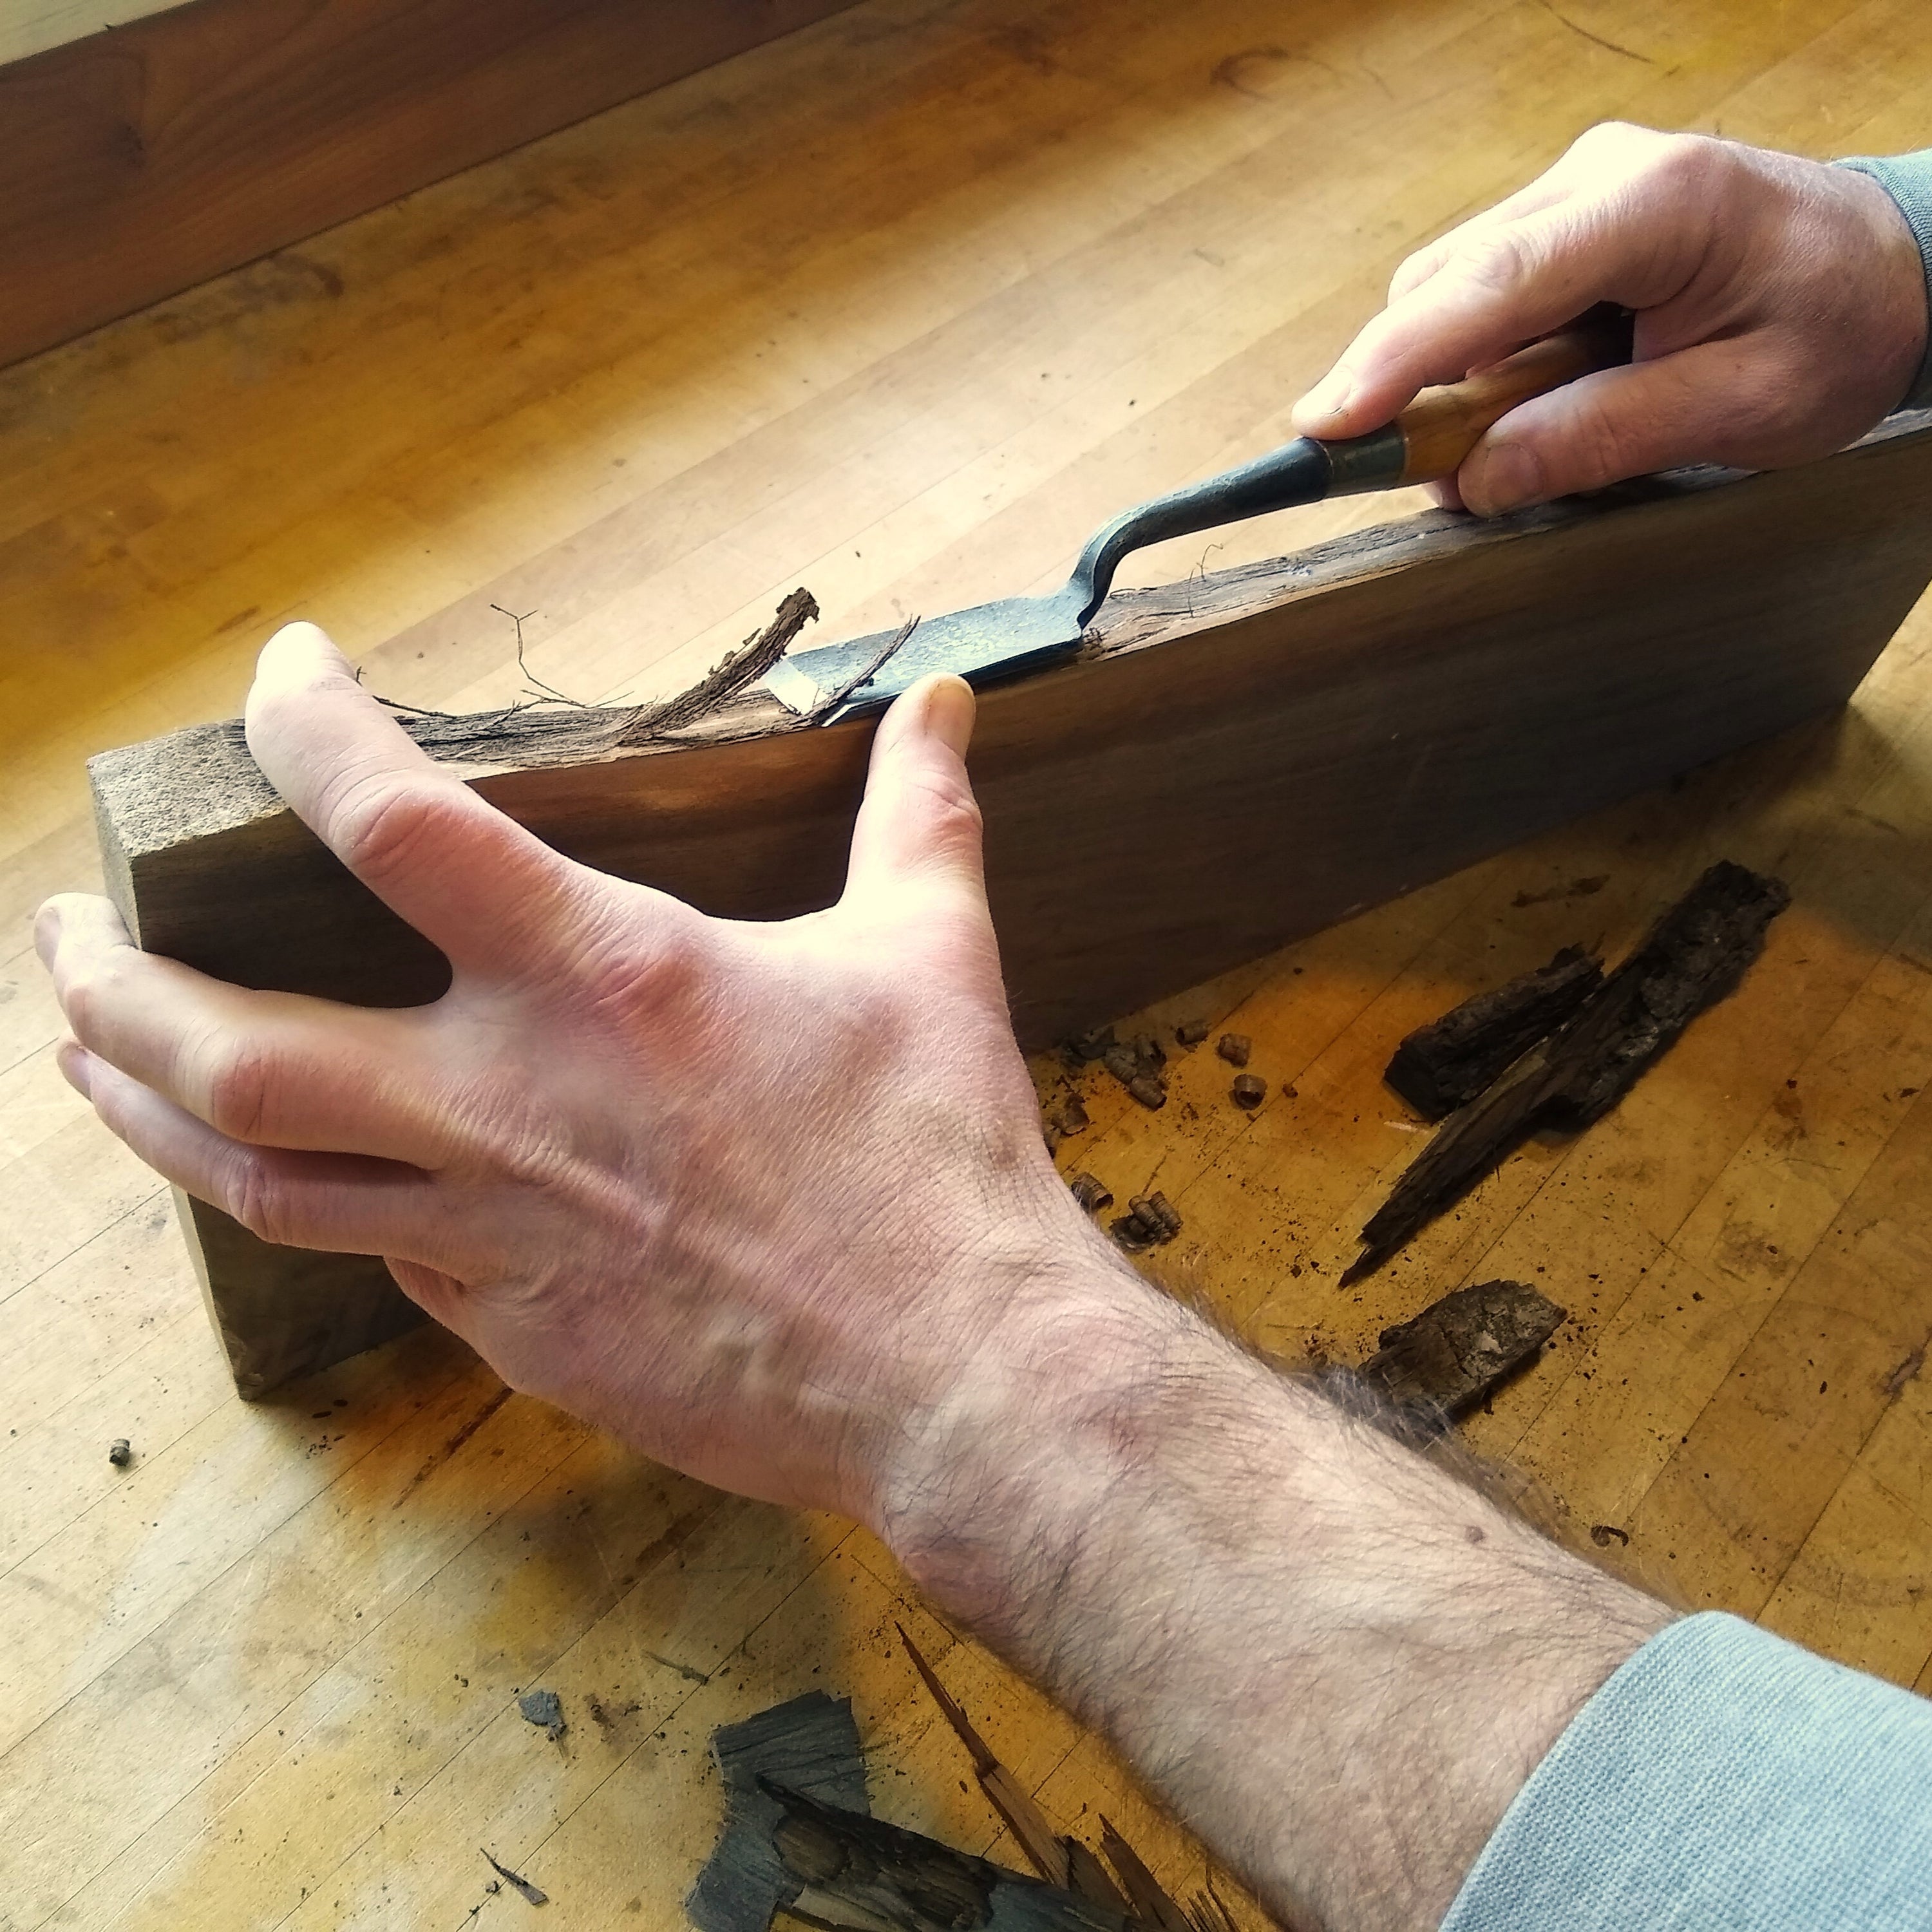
[(47, 933), (1503, 477), (1329, 396), (950, 713), (75, 1064)]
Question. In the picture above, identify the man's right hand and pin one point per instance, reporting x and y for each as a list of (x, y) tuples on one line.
[(1780, 311)]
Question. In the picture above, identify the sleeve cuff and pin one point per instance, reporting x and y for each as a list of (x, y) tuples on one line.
[(1722, 1778), (1907, 178)]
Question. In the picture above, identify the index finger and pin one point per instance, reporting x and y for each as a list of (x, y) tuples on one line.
[(471, 881), (1499, 287)]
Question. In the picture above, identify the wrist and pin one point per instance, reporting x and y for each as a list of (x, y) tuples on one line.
[(991, 1484), (1896, 203), (1284, 1621)]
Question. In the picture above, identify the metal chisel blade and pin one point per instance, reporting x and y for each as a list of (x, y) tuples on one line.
[(983, 645)]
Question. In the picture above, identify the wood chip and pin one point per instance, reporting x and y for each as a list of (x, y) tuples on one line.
[(1149, 1898), (1158, 1212), (534, 1893), (544, 1709), (1083, 1048), (1446, 1064), (745, 665), (1696, 953), (1045, 1849), (1151, 1220), (1459, 1350)]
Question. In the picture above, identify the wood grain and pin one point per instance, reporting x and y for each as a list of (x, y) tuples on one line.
[(900, 307), (137, 161)]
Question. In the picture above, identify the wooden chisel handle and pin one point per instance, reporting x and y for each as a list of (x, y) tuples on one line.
[(1442, 426), (1428, 440)]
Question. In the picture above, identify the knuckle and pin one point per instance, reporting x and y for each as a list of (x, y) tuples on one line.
[(1597, 446), (1773, 412), (616, 972), (236, 1091), (89, 995), (253, 1196), (1413, 270), (1608, 137), (951, 813), (1622, 142), (1617, 154), (1684, 163), (380, 825), (1498, 261)]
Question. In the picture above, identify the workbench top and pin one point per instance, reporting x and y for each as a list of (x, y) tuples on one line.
[(899, 308)]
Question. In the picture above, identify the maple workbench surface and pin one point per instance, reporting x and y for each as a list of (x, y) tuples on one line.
[(899, 308)]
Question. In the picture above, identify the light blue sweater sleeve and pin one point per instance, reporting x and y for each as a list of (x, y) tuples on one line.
[(1907, 178), (1722, 1780)]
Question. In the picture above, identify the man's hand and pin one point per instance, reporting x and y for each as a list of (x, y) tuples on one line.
[(771, 1202), (752, 1195), (1781, 312)]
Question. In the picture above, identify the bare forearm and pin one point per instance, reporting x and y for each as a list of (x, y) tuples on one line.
[(1336, 1663)]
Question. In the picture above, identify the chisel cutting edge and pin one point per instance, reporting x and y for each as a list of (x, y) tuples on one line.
[(993, 642)]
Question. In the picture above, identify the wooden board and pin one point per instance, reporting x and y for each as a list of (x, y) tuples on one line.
[(1233, 763), (898, 307), (137, 161)]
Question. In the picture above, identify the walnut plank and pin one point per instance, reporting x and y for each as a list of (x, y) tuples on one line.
[(137, 162), (1230, 764)]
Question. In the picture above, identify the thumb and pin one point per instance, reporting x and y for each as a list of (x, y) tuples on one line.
[(1688, 407), (919, 825)]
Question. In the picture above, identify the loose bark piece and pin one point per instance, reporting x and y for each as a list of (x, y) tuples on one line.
[(1088, 1876), (533, 1894), (1092, 1194), (846, 1870), (812, 1745), (1226, 765), (1140, 1067), (1152, 1219), (1444, 1065), (1144, 1892), (1695, 954), (1045, 1848), (734, 673), (1459, 1350), (544, 1709)]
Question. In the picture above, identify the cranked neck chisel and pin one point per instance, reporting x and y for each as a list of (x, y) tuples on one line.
[(991, 642)]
